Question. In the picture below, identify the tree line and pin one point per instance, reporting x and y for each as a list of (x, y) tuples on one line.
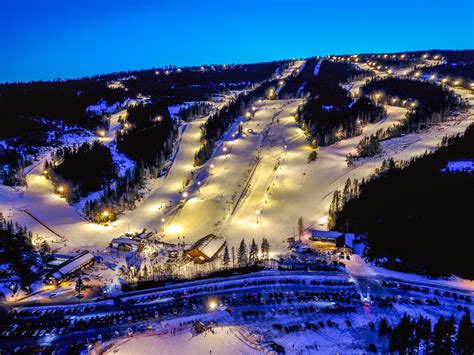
[(409, 210), (418, 335), (219, 122), (149, 141), (427, 102), (18, 253), (76, 171)]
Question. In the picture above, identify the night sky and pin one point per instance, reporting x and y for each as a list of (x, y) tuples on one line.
[(48, 39)]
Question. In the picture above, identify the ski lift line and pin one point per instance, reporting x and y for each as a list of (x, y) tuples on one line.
[(25, 210), (246, 185)]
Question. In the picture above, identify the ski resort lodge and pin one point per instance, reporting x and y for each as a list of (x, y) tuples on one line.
[(131, 242), (206, 249), (355, 242), (70, 267)]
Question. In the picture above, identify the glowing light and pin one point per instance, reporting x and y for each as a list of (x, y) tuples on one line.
[(199, 183), (174, 228), (162, 220), (432, 77), (102, 133), (61, 189), (224, 149), (281, 83), (445, 80), (258, 212), (456, 82), (159, 118), (105, 213), (212, 166), (45, 172), (212, 305), (248, 114)]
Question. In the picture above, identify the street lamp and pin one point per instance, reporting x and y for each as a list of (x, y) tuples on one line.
[(185, 194), (212, 305), (61, 189), (248, 114)]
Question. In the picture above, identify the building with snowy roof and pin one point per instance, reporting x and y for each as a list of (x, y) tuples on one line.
[(69, 268), (206, 249), (128, 244), (355, 242)]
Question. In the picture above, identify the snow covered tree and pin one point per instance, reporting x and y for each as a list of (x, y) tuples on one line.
[(265, 248), (423, 332), (443, 336), (226, 257), (242, 254), (233, 256), (79, 286), (300, 227), (253, 256), (465, 337), (384, 331), (401, 340), (45, 251)]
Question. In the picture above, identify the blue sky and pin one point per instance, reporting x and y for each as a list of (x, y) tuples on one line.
[(47, 39)]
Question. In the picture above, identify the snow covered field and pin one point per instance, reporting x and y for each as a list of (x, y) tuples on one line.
[(223, 340)]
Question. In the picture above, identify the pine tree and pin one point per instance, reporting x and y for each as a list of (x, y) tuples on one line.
[(45, 251), (423, 331), (242, 254), (253, 256), (465, 336), (233, 256), (265, 247), (402, 336), (226, 257), (300, 227), (384, 330), (79, 286), (347, 191), (442, 336)]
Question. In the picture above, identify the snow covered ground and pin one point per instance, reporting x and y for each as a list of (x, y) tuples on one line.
[(252, 187), (223, 340)]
